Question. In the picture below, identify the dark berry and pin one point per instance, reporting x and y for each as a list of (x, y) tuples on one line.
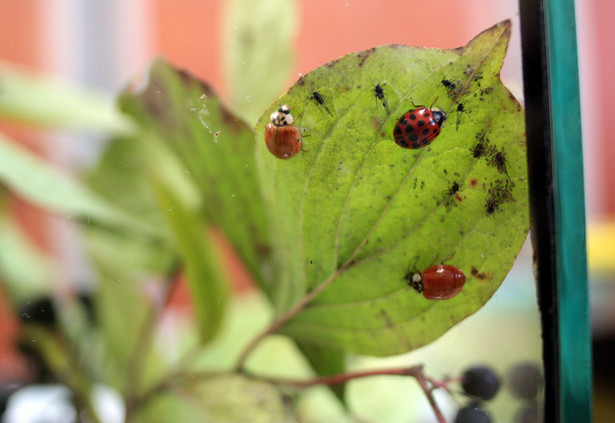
[(481, 382), (528, 414), (41, 311), (472, 414), (525, 380)]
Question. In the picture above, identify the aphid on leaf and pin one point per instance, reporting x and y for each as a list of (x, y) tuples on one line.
[(460, 112), (320, 100), (380, 95)]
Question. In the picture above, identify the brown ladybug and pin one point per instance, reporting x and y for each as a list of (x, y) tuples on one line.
[(439, 282), (282, 138)]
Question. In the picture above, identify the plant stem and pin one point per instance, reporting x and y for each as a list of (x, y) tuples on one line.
[(286, 316), (428, 393), (143, 342), (414, 371)]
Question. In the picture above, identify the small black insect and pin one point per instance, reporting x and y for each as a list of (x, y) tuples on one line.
[(480, 148), (379, 93), (450, 85), (450, 196), (453, 189), (499, 193), (460, 112), (499, 161), (320, 100)]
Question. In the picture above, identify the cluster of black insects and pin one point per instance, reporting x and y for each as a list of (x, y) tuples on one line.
[(499, 192), (415, 129)]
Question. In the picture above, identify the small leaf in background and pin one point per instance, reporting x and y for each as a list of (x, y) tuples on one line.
[(326, 362), (122, 309), (259, 45), (122, 177), (354, 212), (216, 151), (39, 183), (44, 102), (220, 399), (202, 264), (233, 398)]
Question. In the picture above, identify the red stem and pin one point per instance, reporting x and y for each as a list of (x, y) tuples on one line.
[(414, 371), (428, 393)]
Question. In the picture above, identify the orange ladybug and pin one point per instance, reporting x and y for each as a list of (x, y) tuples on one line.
[(282, 138)]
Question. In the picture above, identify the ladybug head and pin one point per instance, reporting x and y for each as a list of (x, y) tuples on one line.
[(282, 117), (415, 280), (438, 115)]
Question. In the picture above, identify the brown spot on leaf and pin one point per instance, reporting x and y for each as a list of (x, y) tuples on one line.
[(385, 316), (481, 275), (473, 182), (363, 55)]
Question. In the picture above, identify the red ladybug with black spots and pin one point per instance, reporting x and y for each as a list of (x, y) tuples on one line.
[(418, 127)]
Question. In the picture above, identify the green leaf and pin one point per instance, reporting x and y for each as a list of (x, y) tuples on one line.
[(354, 212), (45, 102), (259, 52), (216, 152), (326, 362), (233, 398), (130, 257), (202, 264), (221, 399), (121, 176), (42, 185), (122, 309)]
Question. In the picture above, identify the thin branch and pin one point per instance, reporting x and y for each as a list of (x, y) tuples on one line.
[(414, 371), (144, 340), (427, 385), (428, 393), (286, 316)]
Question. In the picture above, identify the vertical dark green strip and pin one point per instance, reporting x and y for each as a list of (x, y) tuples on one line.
[(575, 351), (552, 101), (540, 172)]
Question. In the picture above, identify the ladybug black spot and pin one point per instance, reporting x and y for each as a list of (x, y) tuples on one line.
[(403, 122), (412, 116), (404, 143), (425, 131), (416, 145), (413, 137), (409, 128), (435, 131), (398, 130), (425, 141), (421, 123)]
